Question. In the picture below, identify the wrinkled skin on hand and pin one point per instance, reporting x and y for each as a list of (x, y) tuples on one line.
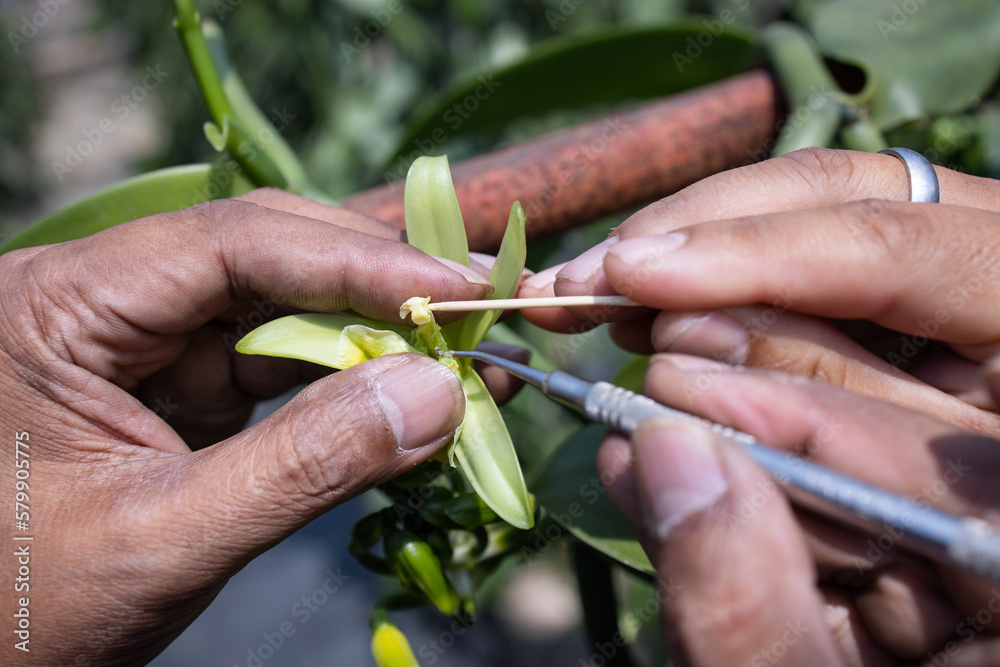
[(765, 255), (748, 270), (746, 579), (116, 361)]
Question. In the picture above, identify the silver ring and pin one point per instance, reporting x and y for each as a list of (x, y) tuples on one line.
[(924, 185)]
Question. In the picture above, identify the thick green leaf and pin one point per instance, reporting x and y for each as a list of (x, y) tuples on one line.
[(570, 490), (607, 67), (485, 452), (156, 192), (505, 276), (336, 341), (936, 58), (433, 218)]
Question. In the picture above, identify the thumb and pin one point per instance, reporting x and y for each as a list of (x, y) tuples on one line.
[(721, 526), (339, 437)]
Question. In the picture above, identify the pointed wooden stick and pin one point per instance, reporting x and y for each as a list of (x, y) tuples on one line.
[(541, 302)]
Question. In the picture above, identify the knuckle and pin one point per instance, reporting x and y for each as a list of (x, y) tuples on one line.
[(723, 614), (825, 366), (893, 231), (823, 169), (328, 453), (219, 216), (266, 193), (307, 474)]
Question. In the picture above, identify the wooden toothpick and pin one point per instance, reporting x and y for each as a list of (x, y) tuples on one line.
[(541, 302)]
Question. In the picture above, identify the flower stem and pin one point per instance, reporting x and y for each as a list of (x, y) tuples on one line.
[(188, 27)]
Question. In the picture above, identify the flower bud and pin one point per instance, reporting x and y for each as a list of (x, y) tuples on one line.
[(415, 564), (389, 646)]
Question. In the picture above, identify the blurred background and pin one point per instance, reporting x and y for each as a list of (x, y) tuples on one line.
[(342, 108), (113, 72)]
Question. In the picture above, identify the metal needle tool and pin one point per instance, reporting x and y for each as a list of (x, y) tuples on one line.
[(967, 543)]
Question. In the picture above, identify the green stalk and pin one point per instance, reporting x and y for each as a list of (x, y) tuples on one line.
[(188, 27), (255, 123), (600, 606)]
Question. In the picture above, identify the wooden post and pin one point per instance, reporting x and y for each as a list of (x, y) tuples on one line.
[(620, 162)]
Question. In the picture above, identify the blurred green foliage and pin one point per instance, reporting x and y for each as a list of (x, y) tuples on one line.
[(21, 105), (353, 71)]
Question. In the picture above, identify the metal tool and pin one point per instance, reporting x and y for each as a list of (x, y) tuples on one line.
[(967, 543)]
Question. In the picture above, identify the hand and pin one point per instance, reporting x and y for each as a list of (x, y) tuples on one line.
[(922, 270), (134, 533), (745, 579)]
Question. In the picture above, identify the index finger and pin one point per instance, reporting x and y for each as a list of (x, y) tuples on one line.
[(882, 444), (170, 273), (807, 178), (926, 270)]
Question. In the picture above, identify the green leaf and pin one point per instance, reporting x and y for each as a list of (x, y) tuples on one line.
[(505, 276), (606, 67), (570, 490), (331, 340), (529, 408), (485, 452), (919, 62), (156, 192), (633, 374), (433, 218)]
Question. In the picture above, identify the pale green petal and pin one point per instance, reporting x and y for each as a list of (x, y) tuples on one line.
[(505, 276), (359, 343), (331, 340), (433, 218), (486, 454)]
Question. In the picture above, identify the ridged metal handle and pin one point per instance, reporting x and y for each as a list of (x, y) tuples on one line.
[(625, 411), (970, 544), (977, 549)]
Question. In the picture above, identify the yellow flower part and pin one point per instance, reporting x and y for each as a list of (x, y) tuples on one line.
[(358, 344), (429, 337), (390, 647), (416, 308)]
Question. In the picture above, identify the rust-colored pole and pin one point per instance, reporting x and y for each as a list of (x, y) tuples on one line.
[(577, 175)]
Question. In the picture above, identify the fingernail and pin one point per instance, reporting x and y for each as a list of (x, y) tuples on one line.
[(422, 400), (680, 473), (469, 274), (648, 249), (684, 362), (541, 280), (585, 267), (715, 335)]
